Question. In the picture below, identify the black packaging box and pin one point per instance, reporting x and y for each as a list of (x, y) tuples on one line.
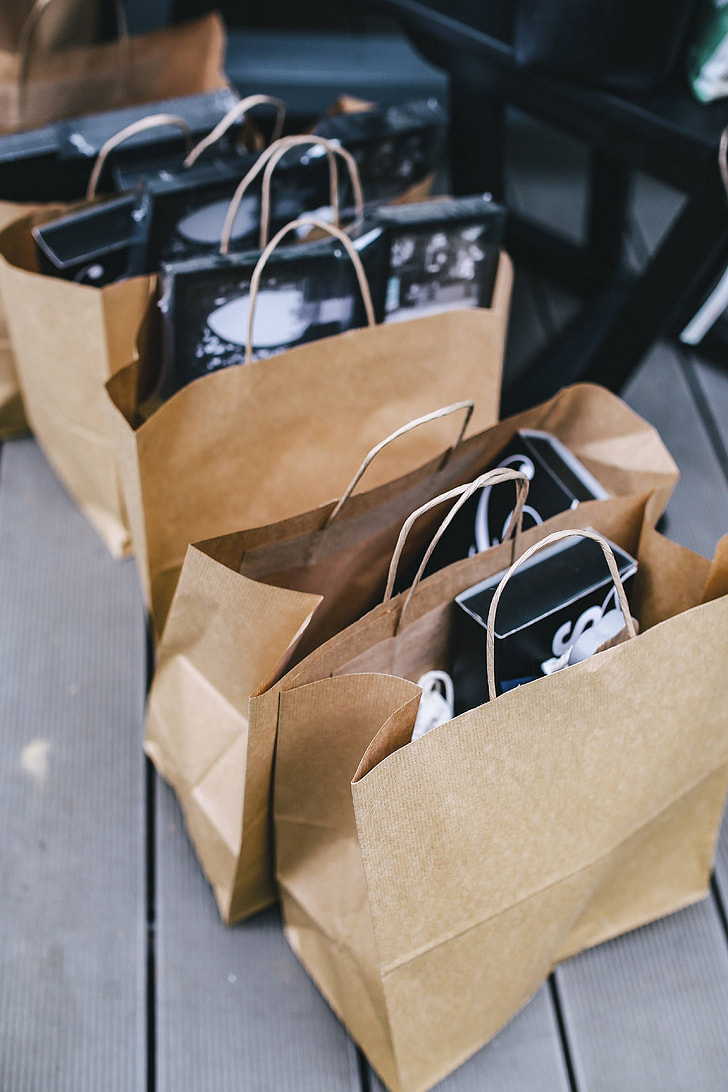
[(546, 605), (96, 245), (189, 205), (557, 481), (307, 292), (442, 255), (54, 163), (394, 146)]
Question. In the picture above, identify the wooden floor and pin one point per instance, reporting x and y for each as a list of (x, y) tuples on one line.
[(115, 972)]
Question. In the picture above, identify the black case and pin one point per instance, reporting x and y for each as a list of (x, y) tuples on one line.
[(307, 292), (96, 245), (557, 481), (394, 146), (54, 163), (545, 606), (442, 254)]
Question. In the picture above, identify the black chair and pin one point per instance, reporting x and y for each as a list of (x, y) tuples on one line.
[(667, 134)]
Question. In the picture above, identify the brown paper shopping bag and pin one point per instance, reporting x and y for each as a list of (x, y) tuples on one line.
[(430, 886), (251, 603), (247, 604), (36, 89), (256, 443), (68, 339), (12, 415)]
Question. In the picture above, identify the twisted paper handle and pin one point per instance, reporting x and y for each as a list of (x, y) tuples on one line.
[(330, 229), (434, 416), (461, 494), (557, 536), (239, 110), (151, 121)]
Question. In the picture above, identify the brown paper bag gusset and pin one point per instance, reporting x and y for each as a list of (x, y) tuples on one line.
[(430, 886), (250, 603)]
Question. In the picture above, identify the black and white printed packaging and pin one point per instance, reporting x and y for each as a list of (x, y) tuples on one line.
[(307, 292), (188, 205), (442, 254), (547, 606)]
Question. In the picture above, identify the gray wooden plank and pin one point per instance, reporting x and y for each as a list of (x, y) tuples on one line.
[(72, 905), (648, 1010), (235, 1009), (526, 1055)]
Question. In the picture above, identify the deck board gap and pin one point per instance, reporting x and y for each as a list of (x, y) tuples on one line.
[(720, 905), (566, 1052), (151, 968), (150, 822), (365, 1079)]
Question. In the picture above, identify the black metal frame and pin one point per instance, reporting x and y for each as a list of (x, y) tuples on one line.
[(668, 135)]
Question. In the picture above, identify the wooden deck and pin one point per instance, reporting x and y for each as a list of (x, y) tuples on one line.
[(115, 971)]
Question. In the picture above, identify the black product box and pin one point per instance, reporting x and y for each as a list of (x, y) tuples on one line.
[(545, 607), (307, 292), (442, 255), (394, 146), (96, 245), (27, 166), (557, 481), (54, 163), (189, 205)]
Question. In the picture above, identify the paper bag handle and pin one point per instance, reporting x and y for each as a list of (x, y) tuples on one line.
[(330, 229), (333, 149), (557, 536), (460, 494), (434, 416), (28, 30), (152, 121), (239, 110), (260, 163)]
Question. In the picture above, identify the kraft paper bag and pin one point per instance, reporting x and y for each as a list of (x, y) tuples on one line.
[(75, 81), (68, 339), (260, 442), (68, 22), (12, 415), (39, 87), (429, 887), (252, 604)]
